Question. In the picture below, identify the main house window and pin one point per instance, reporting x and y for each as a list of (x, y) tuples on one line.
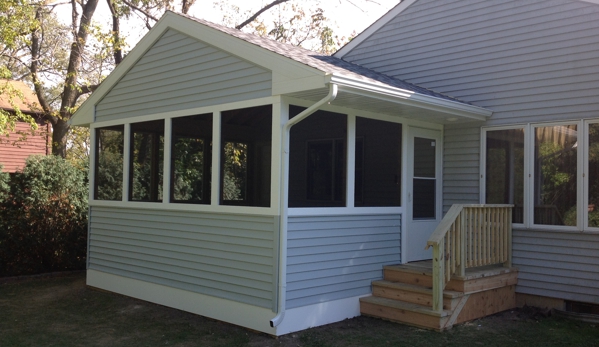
[(554, 182)]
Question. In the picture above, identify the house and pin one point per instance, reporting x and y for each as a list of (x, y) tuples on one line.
[(330, 169), (535, 64), (14, 150)]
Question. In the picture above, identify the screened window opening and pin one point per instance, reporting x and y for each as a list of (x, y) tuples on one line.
[(555, 162), (147, 159), (191, 159), (246, 156), (109, 163), (505, 170), (378, 163), (317, 160)]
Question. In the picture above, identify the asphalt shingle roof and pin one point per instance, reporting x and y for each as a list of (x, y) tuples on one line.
[(325, 63)]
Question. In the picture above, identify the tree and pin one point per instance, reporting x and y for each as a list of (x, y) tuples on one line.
[(64, 63)]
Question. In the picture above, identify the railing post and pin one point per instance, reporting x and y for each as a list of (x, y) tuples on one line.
[(438, 275), (462, 240), (508, 223)]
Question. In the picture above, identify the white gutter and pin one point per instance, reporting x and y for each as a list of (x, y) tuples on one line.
[(283, 200)]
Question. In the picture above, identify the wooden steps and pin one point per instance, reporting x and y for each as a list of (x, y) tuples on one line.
[(405, 295)]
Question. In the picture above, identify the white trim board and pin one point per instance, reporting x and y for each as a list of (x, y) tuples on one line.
[(311, 316), (252, 317), (237, 313)]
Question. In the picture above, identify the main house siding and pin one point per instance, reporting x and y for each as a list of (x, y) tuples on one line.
[(223, 255), (336, 257), (461, 170), (557, 264), (178, 73), (513, 57)]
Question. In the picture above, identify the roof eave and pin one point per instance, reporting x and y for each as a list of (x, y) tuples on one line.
[(411, 98)]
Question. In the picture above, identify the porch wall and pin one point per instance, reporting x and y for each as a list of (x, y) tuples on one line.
[(335, 257), (228, 256)]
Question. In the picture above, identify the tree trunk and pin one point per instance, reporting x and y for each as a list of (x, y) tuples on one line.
[(60, 130)]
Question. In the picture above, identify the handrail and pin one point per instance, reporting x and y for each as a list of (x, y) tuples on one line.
[(468, 236)]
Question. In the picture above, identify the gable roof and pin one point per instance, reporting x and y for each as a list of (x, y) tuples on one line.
[(27, 104), (325, 63), (296, 71)]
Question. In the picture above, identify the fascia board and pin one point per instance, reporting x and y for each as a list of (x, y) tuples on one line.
[(407, 97), (386, 18), (283, 85)]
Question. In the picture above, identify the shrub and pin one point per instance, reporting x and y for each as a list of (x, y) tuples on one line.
[(43, 218)]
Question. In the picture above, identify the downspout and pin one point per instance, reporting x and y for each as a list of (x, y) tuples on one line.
[(283, 200)]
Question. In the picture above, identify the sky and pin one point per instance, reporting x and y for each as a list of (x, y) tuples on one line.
[(345, 17)]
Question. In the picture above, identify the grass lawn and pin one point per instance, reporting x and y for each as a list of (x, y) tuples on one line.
[(64, 312)]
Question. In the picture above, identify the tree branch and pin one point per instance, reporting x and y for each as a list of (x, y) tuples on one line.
[(147, 14), (116, 34), (34, 67), (262, 10)]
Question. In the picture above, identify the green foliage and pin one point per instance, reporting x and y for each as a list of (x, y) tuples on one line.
[(188, 166), (43, 220), (4, 187)]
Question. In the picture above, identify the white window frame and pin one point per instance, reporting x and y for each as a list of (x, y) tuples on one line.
[(582, 169)]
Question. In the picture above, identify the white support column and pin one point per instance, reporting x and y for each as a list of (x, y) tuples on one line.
[(166, 173), (92, 162), (351, 161), (216, 158), (126, 160), (280, 116)]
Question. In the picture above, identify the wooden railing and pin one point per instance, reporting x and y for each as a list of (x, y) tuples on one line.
[(469, 236)]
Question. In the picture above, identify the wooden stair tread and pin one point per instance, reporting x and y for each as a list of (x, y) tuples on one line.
[(400, 305), (471, 273), (449, 294)]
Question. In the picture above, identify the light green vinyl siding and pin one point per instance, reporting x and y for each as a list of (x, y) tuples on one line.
[(223, 255), (336, 257), (180, 72)]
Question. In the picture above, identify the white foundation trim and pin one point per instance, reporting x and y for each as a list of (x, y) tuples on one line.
[(306, 317), (252, 317)]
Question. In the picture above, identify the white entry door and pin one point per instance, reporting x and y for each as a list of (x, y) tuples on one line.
[(423, 190)]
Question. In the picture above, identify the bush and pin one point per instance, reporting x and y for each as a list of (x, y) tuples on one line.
[(43, 218)]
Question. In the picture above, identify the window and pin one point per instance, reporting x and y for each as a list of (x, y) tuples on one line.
[(317, 160), (109, 163), (505, 170), (191, 159), (555, 182), (146, 165), (555, 158), (378, 163), (246, 156)]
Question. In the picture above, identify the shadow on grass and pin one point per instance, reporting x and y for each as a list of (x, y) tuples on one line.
[(64, 312)]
